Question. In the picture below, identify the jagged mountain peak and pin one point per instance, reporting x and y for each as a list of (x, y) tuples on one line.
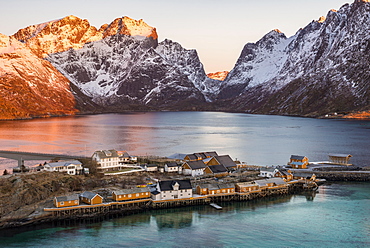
[(129, 26)]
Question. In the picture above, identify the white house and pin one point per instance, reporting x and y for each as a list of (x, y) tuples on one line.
[(151, 167), (193, 168), (268, 172), (172, 167), (73, 167), (173, 189), (106, 160)]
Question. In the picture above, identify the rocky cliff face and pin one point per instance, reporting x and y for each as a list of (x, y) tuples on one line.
[(121, 66), (30, 86), (321, 69)]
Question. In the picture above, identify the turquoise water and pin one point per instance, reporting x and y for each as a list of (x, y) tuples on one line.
[(336, 216)]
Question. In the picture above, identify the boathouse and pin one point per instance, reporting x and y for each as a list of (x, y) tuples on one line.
[(91, 198), (66, 201), (131, 194), (151, 167), (267, 172), (340, 159), (246, 187), (298, 162)]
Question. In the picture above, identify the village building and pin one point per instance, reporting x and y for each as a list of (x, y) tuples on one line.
[(73, 167), (298, 162), (107, 160), (172, 167), (66, 201), (131, 194), (215, 188), (217, 170), (199, 156), (271, 182), (224, 160), (172, 189), (267, 172), (286, 174), (124, 157), (245, 187), (340, 159), (193, 168), (151, 167), (91, 198)]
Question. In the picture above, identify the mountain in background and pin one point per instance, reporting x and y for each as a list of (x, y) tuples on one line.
[(66, 65), (322, 69)]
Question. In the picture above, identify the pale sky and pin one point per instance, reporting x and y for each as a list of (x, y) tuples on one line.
[(217, 29)]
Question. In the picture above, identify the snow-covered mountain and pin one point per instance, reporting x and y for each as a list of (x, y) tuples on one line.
[(323, 68), (121, 66), (30, 86)]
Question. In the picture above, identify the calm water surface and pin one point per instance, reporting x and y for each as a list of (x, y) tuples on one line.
[(255, 139), (337, 216)]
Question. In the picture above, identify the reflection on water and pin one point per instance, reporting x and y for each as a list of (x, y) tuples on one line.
[(327, 219), (255, 139)]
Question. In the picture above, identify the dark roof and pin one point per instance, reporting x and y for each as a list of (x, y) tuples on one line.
[(151, 165), (211, 154), (219, 168), (225, 160), (88, 195), (173, 164), (191, 156), (67, 198), (200, 155), (194, 165), (297, 157), (168, 185)]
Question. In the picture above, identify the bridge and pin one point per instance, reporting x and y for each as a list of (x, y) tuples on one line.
[(22, 156)]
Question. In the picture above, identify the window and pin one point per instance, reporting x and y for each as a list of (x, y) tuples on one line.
[(129, 195), (137, 195), (61, 203)]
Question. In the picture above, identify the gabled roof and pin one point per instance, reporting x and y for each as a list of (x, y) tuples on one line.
[(191, 156), (123, 154), (106, 153), (218, 168), (151, 165), (173, 164), (340, 155), (168, 185), (275, 180), (67, 198), (209, 186), (131, 191), (64, 163), (226, 185), (195, 165), (268, 169), (225, 160), (211, 154), (297, 157), (89, 195)]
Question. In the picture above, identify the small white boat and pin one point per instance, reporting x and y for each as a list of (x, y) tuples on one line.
[(215, 206)]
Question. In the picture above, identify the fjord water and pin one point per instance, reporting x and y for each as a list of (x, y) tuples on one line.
[(255, 139), (336, 216)]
